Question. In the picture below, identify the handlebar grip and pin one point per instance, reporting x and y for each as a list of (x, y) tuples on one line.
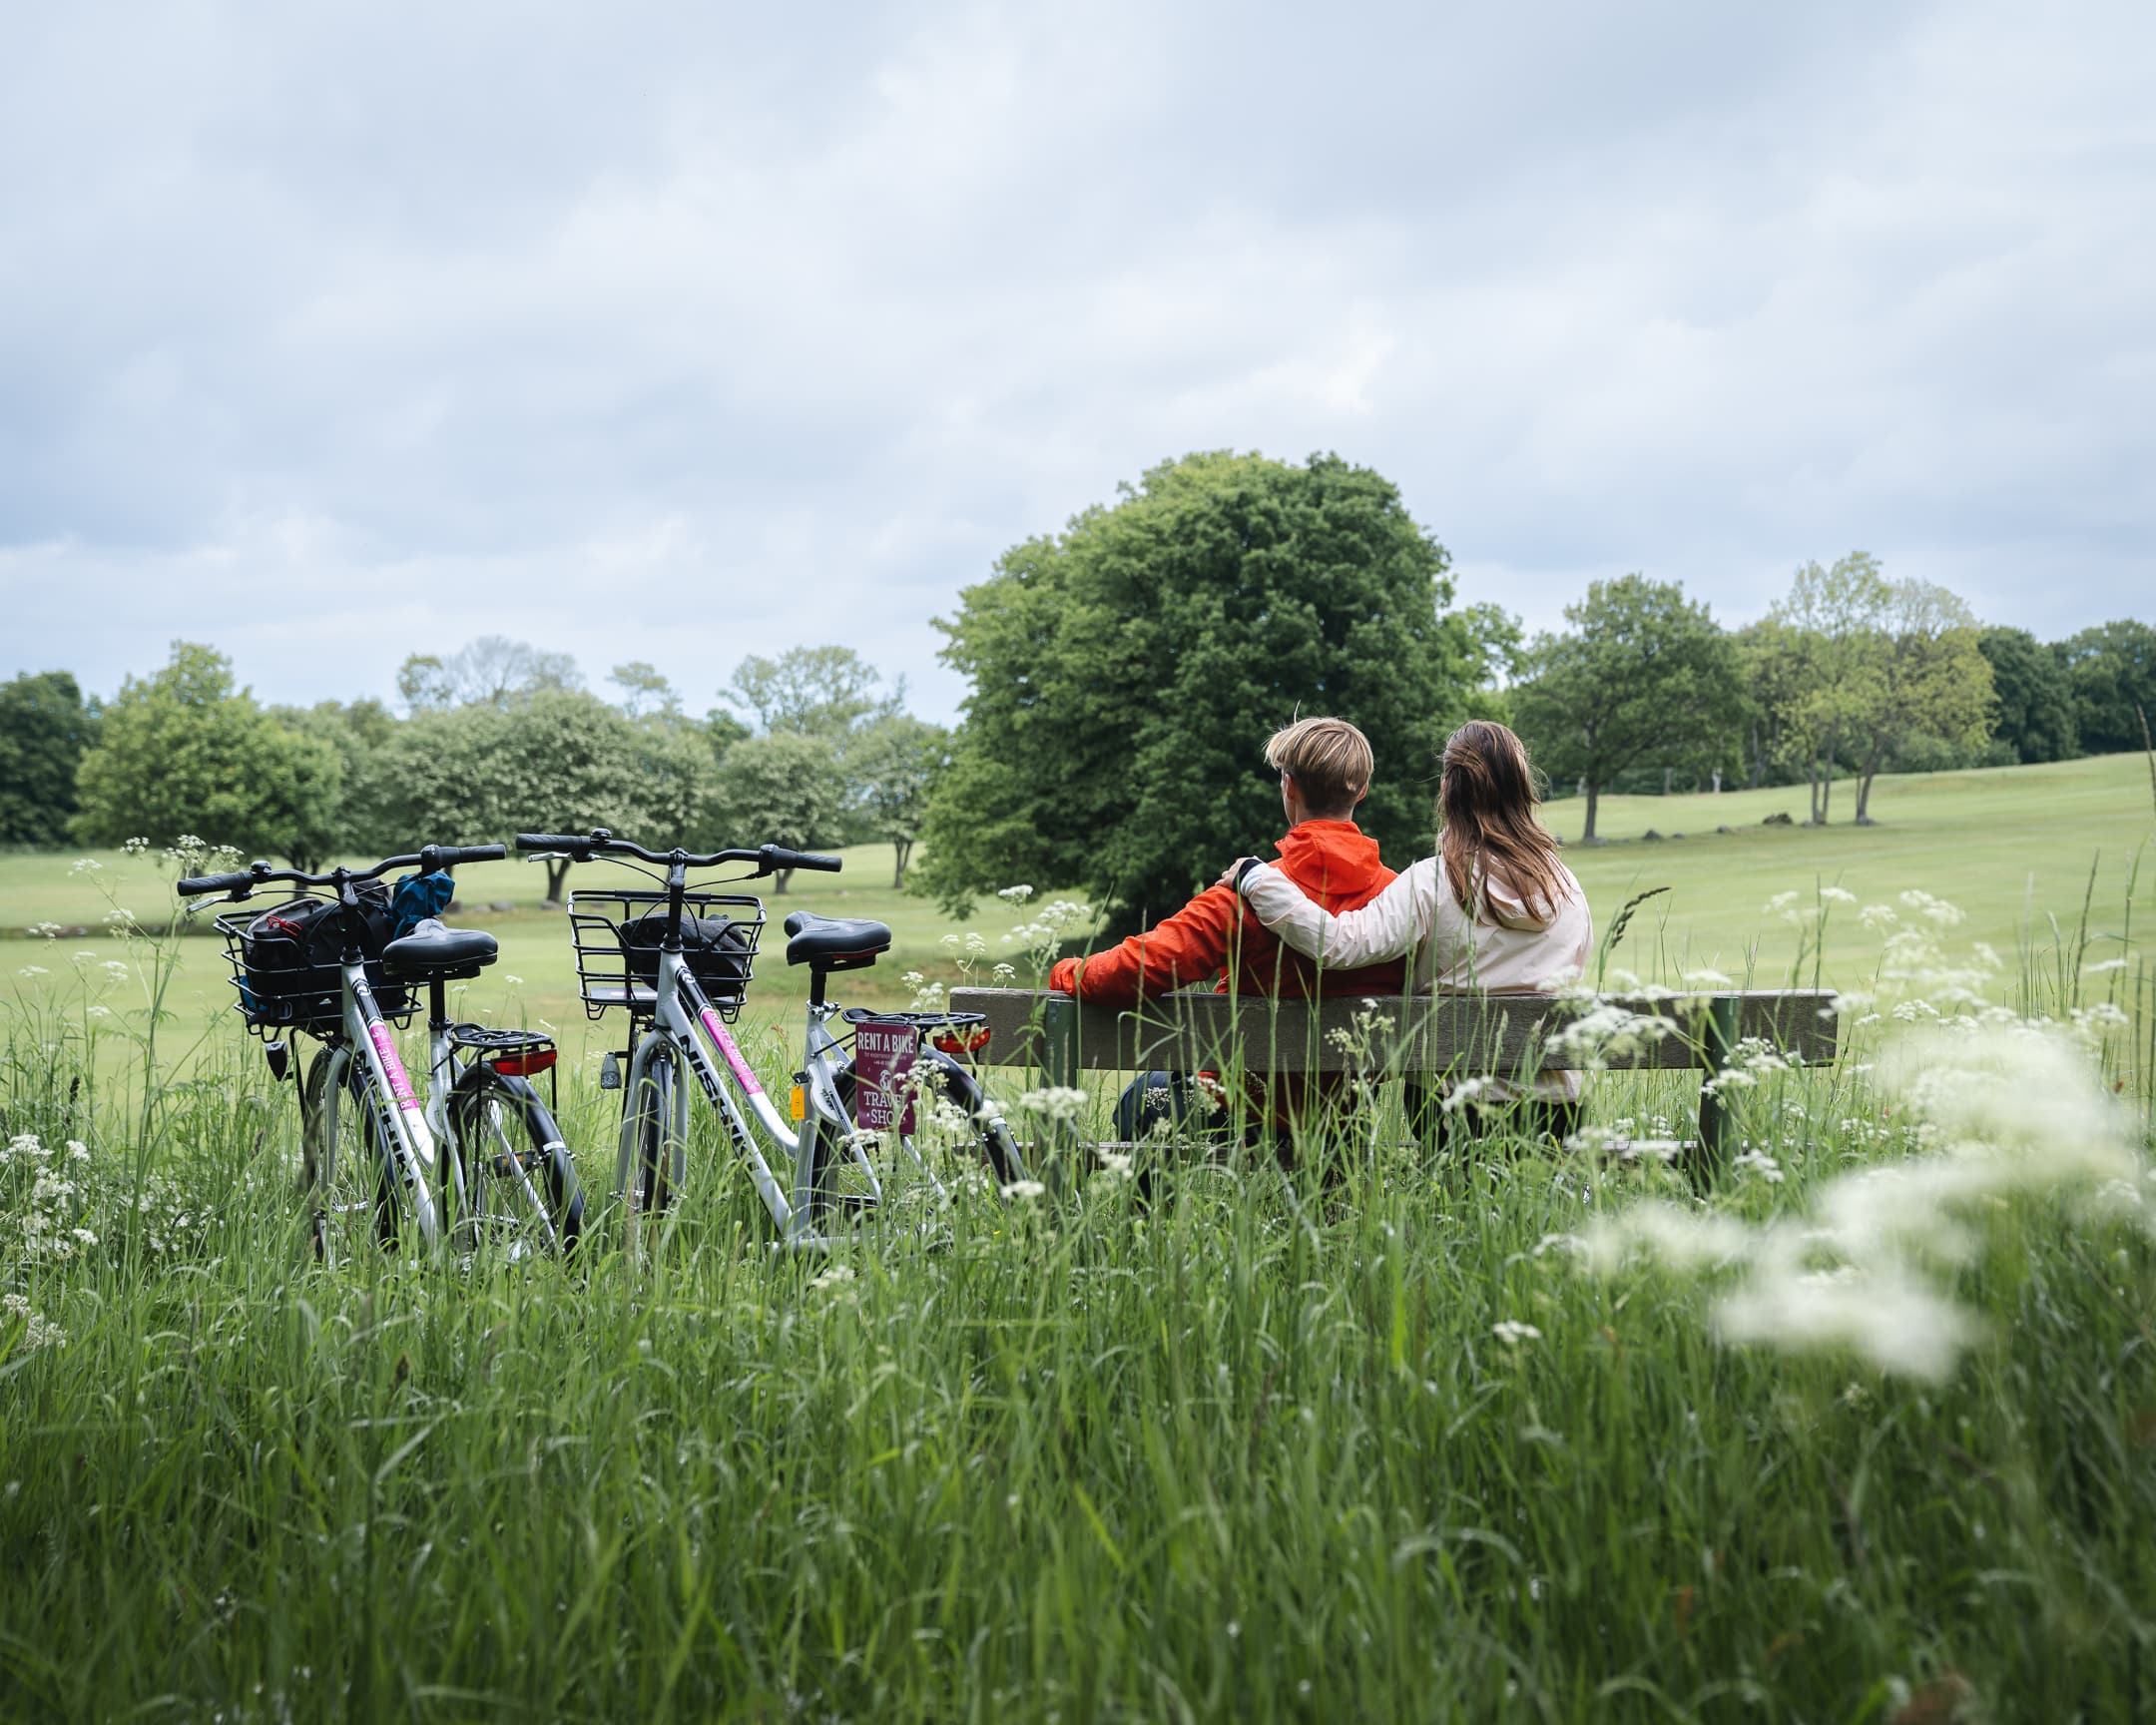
[(776, 856), (577, 844), (202, 885), (449, 855)]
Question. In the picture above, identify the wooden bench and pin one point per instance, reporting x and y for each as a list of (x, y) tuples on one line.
[(1441, 1035)]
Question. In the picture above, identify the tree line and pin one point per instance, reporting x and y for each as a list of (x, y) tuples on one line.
[(1123, 676), (811, 749), (1126, 672)]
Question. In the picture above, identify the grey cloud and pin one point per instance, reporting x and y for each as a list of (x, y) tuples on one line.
[(679, 334)]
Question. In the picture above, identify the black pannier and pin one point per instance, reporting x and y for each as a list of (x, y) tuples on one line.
[(291, 956), (716, 949)]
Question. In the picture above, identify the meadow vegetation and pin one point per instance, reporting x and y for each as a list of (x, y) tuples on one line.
[(1867, 1433)]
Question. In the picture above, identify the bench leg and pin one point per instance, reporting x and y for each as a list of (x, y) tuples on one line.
[(1717, 1127)]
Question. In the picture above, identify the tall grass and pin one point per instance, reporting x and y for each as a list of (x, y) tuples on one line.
[(1260, 1448)]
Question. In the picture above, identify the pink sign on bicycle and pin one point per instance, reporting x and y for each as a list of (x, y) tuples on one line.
[(884, 1056)]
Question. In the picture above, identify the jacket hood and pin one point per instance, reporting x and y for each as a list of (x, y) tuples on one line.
[(1330, 856), (1509, 910)]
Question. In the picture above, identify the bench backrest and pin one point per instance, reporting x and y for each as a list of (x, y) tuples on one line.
[(1461, 1034)]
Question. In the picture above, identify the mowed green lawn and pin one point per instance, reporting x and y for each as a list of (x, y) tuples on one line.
[(2012, 847)]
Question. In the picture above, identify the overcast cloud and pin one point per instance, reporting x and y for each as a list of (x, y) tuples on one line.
[(681, 331)]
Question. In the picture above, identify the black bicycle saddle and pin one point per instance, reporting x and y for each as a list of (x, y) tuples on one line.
[(434, 951), (822, 939)]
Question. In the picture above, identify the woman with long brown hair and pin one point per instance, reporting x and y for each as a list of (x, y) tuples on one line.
[(1496, 910)]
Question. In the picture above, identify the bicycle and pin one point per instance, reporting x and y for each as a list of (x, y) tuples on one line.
[(679, 962), (327, 968)]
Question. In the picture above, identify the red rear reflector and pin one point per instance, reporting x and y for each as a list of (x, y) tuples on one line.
[(523, 1065), (970, 1041)]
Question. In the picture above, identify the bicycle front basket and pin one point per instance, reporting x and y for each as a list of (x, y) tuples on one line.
[(285, 963), (618, 934)]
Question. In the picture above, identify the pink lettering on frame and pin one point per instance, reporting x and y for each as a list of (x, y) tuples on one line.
[(723, 1043)]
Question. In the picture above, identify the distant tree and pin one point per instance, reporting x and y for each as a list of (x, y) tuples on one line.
[(722, 731), (45, 727), (1774, 663), (2035, 715), (1496, 650), (1642, 676), (559, 760), (783, 787), (812, 691), (492, 671), (1124, 677), (1928, 681), (186, 751), (1834, 622), (644, 691), (358, 732), (2111, 670), (892, 767)]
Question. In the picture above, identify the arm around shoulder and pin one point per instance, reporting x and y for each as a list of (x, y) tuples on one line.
[(1390, 924)]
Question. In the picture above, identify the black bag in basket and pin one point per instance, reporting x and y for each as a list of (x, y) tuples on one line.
[(293, 953), (718, 951)]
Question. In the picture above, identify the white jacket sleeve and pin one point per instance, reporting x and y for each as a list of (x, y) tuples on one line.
[(1390, 924)]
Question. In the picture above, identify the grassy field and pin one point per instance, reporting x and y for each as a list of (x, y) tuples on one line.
[(2011, 847), (1867, 1433)]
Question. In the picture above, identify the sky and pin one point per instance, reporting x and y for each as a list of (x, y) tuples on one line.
[(331, 333)]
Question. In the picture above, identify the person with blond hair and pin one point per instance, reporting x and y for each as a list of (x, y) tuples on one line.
[(1324, 768), (1496, 910)]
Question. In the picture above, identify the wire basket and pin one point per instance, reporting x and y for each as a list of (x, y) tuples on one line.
[(614, 969), (280, 990)]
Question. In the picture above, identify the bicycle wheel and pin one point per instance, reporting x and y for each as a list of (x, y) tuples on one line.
[(650, 1163), (360, 1198), (519, 1185), (961, 1137)]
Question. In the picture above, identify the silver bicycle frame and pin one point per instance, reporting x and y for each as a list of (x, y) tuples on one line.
[(686, 1023), (399, 1113)]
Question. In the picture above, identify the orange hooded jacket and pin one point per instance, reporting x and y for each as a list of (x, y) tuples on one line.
[(1215, 936)]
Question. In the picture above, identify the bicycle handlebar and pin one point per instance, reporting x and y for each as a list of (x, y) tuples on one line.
[(427, 859), (582, 848)]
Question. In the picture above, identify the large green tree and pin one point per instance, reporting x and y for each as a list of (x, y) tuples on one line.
[(189, 752), (783, 787), (2035, 716), (557, 761), (2112, 672), (1643, 677), (1929, 682), (891, 770), (1126, 673), (46, 727)]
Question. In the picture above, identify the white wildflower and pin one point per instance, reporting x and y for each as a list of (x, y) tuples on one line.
[(1838, 895), (837, 1276), (1025, 1190), (1511, 1332), (1015, 894), (1058, 1104), (1760, 1163), (1708, 979)]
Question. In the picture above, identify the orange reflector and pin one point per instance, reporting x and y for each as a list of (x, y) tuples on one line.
[(523, 1065), (968, 1041)]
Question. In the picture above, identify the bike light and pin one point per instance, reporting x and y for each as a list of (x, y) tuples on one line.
[(962, 1042), (523, 1065)]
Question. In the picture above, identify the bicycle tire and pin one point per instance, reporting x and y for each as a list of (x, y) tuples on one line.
[(356, 1193), (518, 1179), (988, 1141), (648, 1164)]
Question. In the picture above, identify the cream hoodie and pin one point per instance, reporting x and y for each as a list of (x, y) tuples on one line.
[(1502, 949)]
